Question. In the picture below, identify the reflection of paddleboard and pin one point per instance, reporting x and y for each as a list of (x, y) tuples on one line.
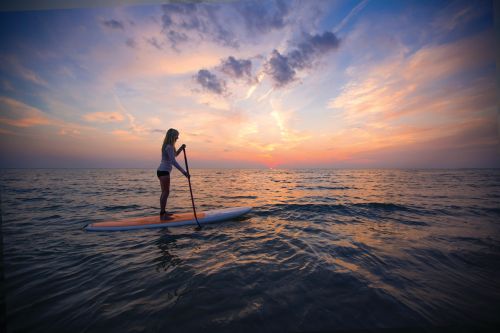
[(174, 220)]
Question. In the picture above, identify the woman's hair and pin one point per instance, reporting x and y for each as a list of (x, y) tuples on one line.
[(170, 138)]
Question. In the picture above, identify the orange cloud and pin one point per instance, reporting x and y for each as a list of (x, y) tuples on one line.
[(18, 114), (126, 135), (104, 117), (396, 88), (412, 100), (14, 113)]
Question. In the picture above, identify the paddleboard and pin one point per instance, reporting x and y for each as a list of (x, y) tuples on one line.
[(175, 220)]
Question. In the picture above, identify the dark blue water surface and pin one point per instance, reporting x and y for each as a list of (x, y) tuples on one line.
[(322, 250)]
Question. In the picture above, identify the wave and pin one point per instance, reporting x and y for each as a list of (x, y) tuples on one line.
[(375, 206), (239, 197), (324, 188), (412, 222), (491, 210), (35, 199), (50, 208), (52, 217), (316, 208), (382, 206), (121, 207)]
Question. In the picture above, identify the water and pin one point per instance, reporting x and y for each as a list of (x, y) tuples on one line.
[(322, 250)]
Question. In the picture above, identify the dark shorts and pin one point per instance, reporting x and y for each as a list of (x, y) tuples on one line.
[(162, 173)]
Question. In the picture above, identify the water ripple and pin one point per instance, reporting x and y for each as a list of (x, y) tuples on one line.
[(321, 250)]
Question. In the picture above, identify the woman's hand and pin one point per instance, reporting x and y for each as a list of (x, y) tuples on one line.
[(180, 149), (187, 175)]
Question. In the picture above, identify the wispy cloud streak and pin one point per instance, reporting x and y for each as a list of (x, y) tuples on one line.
[(359, 7)]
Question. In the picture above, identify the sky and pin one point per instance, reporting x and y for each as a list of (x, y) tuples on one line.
[(250, 84)]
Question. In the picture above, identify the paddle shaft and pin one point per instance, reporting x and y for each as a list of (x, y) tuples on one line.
[(190, 188)]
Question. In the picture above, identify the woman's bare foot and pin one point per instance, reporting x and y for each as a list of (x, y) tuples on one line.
[(166, 216)]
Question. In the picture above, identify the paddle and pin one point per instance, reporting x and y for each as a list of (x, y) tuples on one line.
[(191, 189)]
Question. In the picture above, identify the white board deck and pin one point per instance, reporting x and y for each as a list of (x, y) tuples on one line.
[(175, 220)]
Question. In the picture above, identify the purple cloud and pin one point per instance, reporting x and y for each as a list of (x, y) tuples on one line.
[(155, 43), (210, 82), (262, 17), (279, 68), (209, 21), (179, 20), (130, 42), (236, 68), (114, 24), (282, 68)]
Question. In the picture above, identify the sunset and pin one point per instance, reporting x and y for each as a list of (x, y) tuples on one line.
[(251, 84), (242, 166)]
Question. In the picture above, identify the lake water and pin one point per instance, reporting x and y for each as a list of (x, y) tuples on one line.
[(321, 250)]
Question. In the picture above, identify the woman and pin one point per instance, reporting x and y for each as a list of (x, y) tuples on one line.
[(168, 154)]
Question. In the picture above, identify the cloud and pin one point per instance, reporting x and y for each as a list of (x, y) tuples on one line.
[(135, 129), (210, 82), (410, 85), (134, 126), (157, 130), (7, 85), (130, 42), (230, 67), (312, 48), (154, 42), (28, 120), (126, 135), (144, 63), (439, 96), (176, 37), (289, 138), (237, 68), (469, 143), (261, 17), (65, 131), (457, 14), (359, 7), (282, 68), (183, 21), (18, 114), (104, 117), (13, 65), (113, 24), (279, 68)]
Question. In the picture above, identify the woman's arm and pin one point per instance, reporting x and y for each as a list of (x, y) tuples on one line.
[(171, 156), (180, 149)]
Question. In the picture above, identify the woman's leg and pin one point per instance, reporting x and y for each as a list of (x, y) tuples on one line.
[(165, 191)]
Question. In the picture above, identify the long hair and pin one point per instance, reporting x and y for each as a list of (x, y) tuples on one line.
[(170, 138)]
